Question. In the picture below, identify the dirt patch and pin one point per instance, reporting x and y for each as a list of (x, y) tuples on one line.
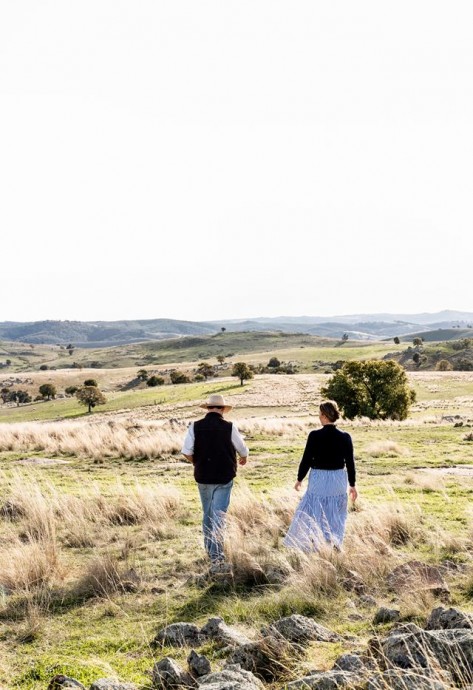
[(460, 470), (43, 461)]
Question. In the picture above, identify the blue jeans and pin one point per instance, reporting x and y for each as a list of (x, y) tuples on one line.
[(215, 500)]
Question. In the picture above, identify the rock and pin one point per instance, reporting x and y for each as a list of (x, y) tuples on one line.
[(386, 615), (414, 576), (111, 684), (217, 629), (231, 678), (353, 582), (449, 619), (396, 680), (60, 681), (368, 600), (267, 658), (168, 674), (199, 665), (327, 680), (179, 635), (450, 650), (300, 629), (349, 662)]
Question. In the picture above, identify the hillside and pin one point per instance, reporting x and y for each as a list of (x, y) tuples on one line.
[(109, 333)]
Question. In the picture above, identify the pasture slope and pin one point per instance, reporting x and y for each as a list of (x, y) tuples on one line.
[(99, 519)]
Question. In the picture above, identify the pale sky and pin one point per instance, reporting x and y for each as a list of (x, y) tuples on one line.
[(230, 158)]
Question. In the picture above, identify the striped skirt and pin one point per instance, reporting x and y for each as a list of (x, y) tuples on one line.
[(321, 514)]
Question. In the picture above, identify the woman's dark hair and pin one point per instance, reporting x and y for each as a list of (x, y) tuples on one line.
[(329, 408)]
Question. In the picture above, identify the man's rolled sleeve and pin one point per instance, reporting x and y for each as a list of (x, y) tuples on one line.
[(188, 447), (239, 443)]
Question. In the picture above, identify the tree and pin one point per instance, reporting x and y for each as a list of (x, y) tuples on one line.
[(4, 394), (71, 390), (396, 340), (91, 382), (8, 362), (443, 365), (242, 370), (220, 359), (90, 396), (155, 381), (47, 390), (274, 362), (344, 338), (206, 370), (374, 389), (142, 374), (416, 358), (70, 348), (223, 329)]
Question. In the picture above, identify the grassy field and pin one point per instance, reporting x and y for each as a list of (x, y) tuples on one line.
[(100, 540)]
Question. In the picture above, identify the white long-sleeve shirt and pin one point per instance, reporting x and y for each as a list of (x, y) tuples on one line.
[(236, 438)]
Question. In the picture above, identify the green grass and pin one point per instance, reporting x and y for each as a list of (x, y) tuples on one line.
[(129, 400), (112, 636)]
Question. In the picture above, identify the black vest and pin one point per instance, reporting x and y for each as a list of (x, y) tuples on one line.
[(214, 453)]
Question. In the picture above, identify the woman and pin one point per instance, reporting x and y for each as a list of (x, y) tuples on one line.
[(321, 515)]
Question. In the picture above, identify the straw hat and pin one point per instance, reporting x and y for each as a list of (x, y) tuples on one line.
[(217, 400)]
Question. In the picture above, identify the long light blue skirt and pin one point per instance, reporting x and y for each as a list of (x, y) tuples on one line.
[(321, 514)]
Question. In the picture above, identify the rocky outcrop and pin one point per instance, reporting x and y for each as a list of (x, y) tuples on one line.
[(386, 615), (198, 664), (179, 635), (167, 674), (111, 684), (231, 678), (449, 619), (300, 629), (328, 680), (217, 629), (416, 576)]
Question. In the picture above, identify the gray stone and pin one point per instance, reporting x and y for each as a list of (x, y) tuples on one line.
[(111, 684), (353, 582), (60, 681), (231, 678), (368, 601), (328, 680), (349, 662), (450, 650), (416, 576), (397, 680), (386, 615), (179, 635), (267, 658), (217, 629), (199, 665), (300, 629), (168, 674), (449, 619)]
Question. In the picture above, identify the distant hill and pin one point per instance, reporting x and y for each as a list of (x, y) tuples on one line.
[(357, 326)]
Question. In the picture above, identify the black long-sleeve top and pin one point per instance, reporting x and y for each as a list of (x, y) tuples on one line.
[(328, 448)]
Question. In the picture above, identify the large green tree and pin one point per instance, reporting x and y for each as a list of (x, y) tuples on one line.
[(90, 396), (47, 390), (374, 389), (242, 370)]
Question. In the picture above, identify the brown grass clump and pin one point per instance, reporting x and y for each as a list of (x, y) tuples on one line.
[(104, 577), (387, 449), (126, 439), (28, 566)]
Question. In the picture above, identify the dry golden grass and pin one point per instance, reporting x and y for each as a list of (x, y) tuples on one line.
[(126, 439), (389, 449)]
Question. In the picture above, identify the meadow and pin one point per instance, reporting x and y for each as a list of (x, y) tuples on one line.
[(100, 542)]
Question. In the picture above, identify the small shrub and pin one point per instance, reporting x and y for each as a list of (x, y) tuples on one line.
[(155, 381), (443, 365)]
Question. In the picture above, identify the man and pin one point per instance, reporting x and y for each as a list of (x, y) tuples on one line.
[(212, 445)]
